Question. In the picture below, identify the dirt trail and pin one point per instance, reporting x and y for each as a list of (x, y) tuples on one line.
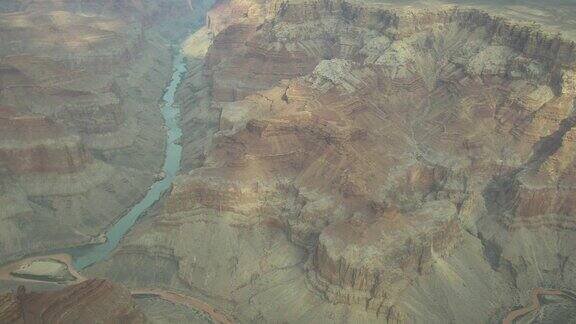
[(536, 292)]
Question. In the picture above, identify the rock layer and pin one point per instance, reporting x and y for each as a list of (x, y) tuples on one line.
[(92, 301), (83, 137), (367, 163), (36, 144)]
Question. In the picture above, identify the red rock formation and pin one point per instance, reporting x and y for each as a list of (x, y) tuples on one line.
[(92, 301), (226, 13), (367, 261)]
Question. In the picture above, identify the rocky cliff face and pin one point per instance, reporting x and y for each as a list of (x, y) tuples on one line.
[(364, 163), (92, 301), (368, 261)]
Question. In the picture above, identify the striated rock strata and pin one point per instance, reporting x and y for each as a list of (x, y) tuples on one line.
[(92, 301), (355, 162), (81, 134)]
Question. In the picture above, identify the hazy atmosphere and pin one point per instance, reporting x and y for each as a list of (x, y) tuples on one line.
[(287, 161)]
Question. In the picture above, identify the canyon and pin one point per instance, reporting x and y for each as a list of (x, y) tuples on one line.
[(81, 140), (78, 91), (342, 161)]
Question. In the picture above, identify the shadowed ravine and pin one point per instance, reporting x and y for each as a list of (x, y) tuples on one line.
[(88, 255)]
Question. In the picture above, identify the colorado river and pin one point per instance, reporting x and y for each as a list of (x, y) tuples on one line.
[(81, 257), (88, 255)]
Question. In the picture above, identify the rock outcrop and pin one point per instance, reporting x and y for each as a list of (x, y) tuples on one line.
[(92, 301), (367, 262)]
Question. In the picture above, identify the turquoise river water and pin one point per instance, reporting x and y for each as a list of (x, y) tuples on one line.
[(88, 255)]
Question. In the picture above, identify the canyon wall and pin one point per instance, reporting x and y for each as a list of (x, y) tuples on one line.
[(81, 135), (343, 161)]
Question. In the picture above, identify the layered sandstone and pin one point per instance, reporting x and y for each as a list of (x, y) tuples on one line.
[(368, 261), (92, 301), (368, 162)]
